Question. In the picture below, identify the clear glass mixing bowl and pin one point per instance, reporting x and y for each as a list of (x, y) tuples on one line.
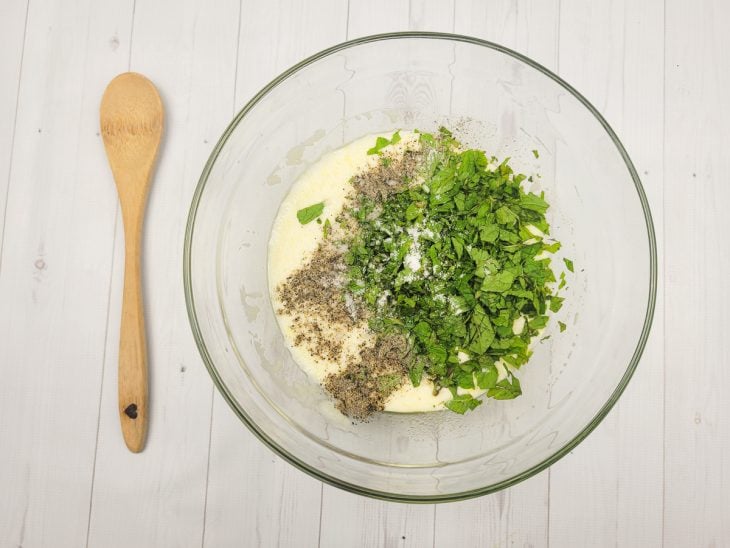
[(498, 101)]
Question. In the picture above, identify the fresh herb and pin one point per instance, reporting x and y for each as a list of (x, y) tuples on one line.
[(461, 257), (562, 326), (382, 142), (487, 378), (568, 264), (462, 403), (310, 213), (326, 228), (535, 203), (506, 389), (535, 153), (556, 303)]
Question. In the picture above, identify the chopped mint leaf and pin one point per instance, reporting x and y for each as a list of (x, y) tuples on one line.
[(488, 378), (422, 330), (534, 202), (415, 373), (456, 254), (426, 138), (568, 264), (562, 326), (481, 333), (465, 380), (551, 248), (535, 153), (382, 142), (489, 233), (326, 228), (505, 389), (412, 212), (458, 246), (505, 216), (498, 282), (556, 303), (463, 403), (436, 353), (310, 213), (538, 322)]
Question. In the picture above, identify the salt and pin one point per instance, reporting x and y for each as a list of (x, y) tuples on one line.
[(412, 260)]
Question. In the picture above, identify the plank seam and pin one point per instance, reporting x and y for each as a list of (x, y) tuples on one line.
[(212, 390), (12, 136), (664, 270), (106, 328)]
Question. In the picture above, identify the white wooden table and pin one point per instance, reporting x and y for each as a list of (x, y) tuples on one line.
[(656, 471)]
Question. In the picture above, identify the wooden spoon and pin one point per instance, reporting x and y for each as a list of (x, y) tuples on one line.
[(131, 125)]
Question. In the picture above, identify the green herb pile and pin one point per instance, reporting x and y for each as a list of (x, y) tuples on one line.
[(454, 262)]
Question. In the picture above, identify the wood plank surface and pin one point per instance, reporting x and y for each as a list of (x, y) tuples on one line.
[(656, 471), (623, 459), (697, 263), (54, 278)]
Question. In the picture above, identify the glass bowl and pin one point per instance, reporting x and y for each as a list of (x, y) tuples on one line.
[(496, 100)]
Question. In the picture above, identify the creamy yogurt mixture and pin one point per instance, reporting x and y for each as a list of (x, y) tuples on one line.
[(292, 243), (409, 274)]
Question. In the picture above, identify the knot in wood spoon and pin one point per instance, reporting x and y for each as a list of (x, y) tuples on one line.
[(131, 126)]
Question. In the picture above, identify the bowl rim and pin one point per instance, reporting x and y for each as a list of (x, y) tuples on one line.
[(358, 489)]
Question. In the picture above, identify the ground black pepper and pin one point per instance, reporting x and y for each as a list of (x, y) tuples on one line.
[(363, 386), (314, 295)]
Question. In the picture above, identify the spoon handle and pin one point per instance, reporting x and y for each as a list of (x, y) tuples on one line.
[(132, 381)]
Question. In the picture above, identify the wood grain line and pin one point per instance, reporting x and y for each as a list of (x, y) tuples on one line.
[(131, 35), (664, 274), (213, 388), (12, 137), (108, 315), (207, 469), (101, 382)]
